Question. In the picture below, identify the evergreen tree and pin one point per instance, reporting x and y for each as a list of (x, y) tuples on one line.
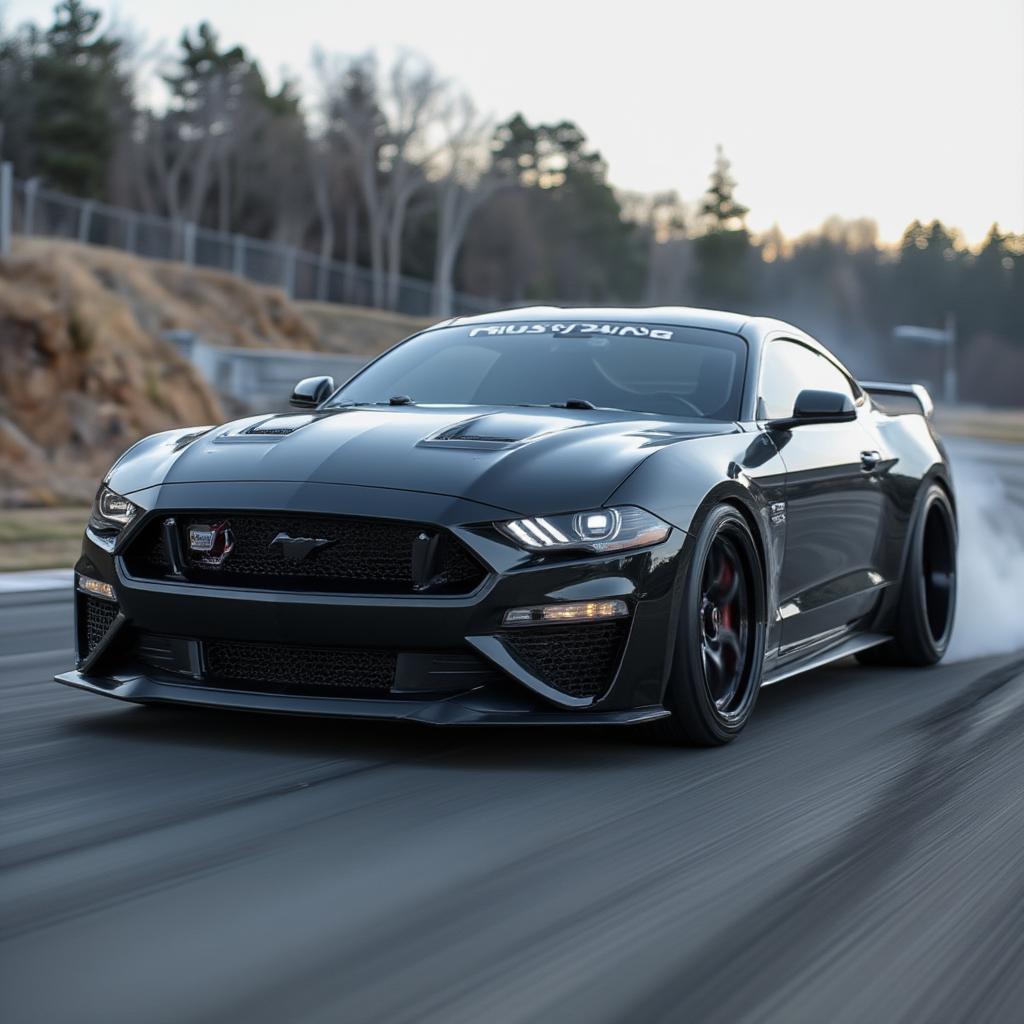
[(925, 282), (719, 208), (16, 100), (587, 251), (233, 152), (76, 90), (723, 252), (995, 287), (206, 76)]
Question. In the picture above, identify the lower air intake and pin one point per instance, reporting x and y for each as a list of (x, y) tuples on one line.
[(98, 616), (579, 661), (302, 671)]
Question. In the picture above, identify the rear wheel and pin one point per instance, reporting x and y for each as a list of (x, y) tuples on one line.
[(927, 603), (719, 650)]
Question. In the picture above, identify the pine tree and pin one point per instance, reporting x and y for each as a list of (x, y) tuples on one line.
[(206, 75), (585, 249), (719, 208), (77, 88), (723, 252)]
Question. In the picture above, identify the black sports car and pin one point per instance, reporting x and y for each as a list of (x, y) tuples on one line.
[(536, 516)]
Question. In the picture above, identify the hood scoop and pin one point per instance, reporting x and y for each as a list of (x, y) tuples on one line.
[(278, 426), (497, 430)]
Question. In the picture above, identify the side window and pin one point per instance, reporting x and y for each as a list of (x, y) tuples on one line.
[(789, 367)]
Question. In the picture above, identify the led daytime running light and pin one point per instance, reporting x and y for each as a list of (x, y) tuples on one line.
[(597, 530)]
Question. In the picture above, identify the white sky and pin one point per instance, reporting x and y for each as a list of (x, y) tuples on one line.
[(893, 109)]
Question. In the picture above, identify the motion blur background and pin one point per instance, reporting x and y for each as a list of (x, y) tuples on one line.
[(202, 201)]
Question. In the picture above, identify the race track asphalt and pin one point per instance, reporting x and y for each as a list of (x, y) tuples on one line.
[(857, 855)]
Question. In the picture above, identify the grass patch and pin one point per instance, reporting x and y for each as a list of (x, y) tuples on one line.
[(40, 538), (985, 424)]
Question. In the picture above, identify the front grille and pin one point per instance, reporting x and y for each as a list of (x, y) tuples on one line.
[(97, 618), (359, 556), (578, 661), (306, 671)]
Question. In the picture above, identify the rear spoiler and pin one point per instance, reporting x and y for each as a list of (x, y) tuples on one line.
[(893, 398)]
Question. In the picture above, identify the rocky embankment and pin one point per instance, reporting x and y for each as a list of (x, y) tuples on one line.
[(84, 371)]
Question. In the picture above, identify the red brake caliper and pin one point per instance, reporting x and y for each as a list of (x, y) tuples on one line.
[(725, 583)]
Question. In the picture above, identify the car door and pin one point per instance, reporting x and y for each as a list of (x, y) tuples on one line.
[(834, 507)]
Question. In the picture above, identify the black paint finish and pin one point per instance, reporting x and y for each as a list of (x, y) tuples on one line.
[(830, 504)]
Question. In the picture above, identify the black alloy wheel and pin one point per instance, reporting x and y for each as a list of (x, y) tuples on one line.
[(725, 626), (720, 639)]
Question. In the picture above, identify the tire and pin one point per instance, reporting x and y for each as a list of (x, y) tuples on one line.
[(927, 602), (720, 636)]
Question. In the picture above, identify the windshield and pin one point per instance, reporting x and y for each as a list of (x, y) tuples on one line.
[(662, 369)]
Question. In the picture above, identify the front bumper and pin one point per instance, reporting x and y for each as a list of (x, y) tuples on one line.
[(491, 684)]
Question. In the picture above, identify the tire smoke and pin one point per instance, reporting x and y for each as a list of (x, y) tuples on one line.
[(990, 597)]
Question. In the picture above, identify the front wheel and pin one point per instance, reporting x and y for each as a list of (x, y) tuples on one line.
[(719, 648)]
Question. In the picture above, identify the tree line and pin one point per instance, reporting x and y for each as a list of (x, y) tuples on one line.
[(391, 166)]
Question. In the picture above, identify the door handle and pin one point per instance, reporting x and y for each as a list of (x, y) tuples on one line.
[(869, 461)]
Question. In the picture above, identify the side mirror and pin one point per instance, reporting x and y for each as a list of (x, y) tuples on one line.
[(813, 406), (311, 391)]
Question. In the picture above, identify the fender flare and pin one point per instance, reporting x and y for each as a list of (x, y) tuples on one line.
[(723, 493), (936, 474)]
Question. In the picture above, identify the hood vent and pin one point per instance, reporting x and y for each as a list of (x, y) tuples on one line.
[(278, 426), (464, 432), (476, 437), (499, 430)]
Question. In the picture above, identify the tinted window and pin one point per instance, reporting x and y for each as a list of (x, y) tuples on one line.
[(788, 369), (666, 370)]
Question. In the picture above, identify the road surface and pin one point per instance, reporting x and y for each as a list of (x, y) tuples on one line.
[(857, 855)]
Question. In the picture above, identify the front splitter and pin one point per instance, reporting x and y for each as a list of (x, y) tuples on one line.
[(475, 707)]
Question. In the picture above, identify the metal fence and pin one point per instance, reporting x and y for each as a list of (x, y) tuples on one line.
[(28, 208)]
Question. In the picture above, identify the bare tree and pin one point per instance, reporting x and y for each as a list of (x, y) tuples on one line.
[(388, 131), (468, 180), (181, 153), (413, 105), (318, 164), (354, 124)]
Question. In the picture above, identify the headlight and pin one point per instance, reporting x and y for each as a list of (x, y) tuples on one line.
[(111, 511), (600, 529)]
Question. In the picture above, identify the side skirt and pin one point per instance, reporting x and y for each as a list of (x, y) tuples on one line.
[(861, 642)]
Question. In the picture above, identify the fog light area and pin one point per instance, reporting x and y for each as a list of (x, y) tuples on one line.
[(96, 587), (580, 611)]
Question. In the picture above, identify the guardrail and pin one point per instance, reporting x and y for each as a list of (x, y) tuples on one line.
[(259, 379), (29, 208)]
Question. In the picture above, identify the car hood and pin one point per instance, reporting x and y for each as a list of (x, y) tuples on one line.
[(528, 461)]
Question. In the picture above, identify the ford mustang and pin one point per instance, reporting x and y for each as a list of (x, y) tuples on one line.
[(537, 516)]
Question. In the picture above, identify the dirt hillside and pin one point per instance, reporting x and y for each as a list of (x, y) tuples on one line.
[(355, 329), (84, 371)]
